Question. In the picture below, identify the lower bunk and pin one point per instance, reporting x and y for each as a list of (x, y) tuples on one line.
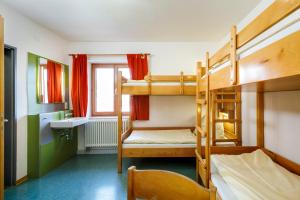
[(253, 176), (159, 142), (166, 142)]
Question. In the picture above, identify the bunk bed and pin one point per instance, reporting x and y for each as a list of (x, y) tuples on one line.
[(225, 112), (161, 85), (264, 56), (161, 141)]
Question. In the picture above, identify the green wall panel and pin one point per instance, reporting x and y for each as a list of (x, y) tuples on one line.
[(45, 156), (55, 153), (42, 158), (33, 146)]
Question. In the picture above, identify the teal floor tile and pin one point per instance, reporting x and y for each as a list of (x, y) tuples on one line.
[(92, 177)]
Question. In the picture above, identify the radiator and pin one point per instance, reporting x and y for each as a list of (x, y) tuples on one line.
[(103, 133)]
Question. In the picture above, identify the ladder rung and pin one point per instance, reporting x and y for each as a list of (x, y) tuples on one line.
[(227, 101), (200, 130), (226, 140), (201, 101), (227, 120), (202, 161), (225, 93)]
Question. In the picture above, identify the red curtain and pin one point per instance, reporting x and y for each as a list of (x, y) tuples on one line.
[(139, 105), (79, 92), (54, 82)]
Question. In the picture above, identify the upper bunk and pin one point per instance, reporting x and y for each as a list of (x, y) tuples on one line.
[(264, 56), (160, 85)]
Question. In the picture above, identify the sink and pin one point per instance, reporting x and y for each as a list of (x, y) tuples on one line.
[(68, 123)]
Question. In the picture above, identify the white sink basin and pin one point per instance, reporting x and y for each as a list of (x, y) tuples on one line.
[(68, 123)]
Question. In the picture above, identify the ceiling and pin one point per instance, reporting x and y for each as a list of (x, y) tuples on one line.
[(136, 20)]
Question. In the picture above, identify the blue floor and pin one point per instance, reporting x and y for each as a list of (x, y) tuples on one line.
[(92, 177)]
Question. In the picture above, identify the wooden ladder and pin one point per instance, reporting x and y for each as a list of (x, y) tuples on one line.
[(228, 101)]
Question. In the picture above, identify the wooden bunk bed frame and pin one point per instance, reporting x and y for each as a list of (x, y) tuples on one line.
[(279, 69), (160, 90), (135, 152), (229, 99)]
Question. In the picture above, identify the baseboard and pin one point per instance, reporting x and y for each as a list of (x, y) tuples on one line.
[(21, 180), (112, 150)]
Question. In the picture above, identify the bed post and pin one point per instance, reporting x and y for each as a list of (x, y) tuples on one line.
[(213, 118), (149, 80), (260, 119), (181, 83), (207, 146), (238, 116), (120, 123), (233, 59), (198, 117)]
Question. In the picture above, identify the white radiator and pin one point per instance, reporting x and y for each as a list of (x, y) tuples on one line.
[(103, 132)]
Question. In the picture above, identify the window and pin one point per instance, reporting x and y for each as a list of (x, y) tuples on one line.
[(104, 83)]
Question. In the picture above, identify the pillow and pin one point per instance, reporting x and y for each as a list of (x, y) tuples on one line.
[(219, 130)]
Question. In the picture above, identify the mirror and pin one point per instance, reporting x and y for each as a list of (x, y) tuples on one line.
[(51, 82)]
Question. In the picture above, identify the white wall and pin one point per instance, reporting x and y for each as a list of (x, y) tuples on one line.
[(282, 123), (244, 22), (27, 36), (249, 118), (166, 58)]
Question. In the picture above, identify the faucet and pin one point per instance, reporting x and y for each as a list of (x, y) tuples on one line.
[(68, 115)]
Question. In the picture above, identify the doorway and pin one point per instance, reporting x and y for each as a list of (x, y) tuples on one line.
[(9, 116)]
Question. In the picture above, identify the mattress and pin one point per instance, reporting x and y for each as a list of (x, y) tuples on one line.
[(253, 176), (145, 83), (180, 136), (144, 146)]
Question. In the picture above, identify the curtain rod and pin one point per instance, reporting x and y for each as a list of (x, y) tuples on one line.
[(103, 54)]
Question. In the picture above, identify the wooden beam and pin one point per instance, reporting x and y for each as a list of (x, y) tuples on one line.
[(220, 55), (227, 101), (260, 119), (198, 112), (236, 150), (266, 19), (213, 117), (158, 152), (227, 120), (120, 120), (284, 162), (278, 60), (238, 115), (227, 140), (233, 59), (207, 146), (201, 101)]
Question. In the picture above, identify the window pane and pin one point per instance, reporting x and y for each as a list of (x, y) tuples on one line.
[(125, 98), (104, 93), (125, 72), (125, 103)]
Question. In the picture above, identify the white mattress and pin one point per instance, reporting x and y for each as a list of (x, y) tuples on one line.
[(159, 146), (222, 187), (182, 138), (145, 83), (253, 176)]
